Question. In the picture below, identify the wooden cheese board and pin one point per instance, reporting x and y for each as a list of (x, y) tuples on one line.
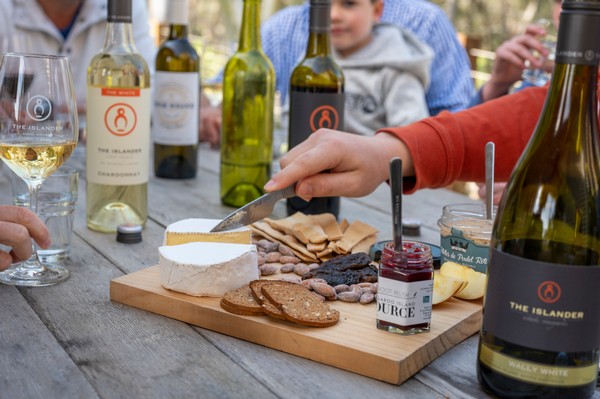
[(354, 344)]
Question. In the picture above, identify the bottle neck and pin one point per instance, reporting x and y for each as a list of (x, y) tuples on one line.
[(573, 89), (177, 31), (250, 34), (119, 37), (319, 41)]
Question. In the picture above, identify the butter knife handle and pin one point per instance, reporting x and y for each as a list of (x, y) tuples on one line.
[(289, 192)]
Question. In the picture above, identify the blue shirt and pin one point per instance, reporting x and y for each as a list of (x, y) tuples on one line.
[(285, 34)]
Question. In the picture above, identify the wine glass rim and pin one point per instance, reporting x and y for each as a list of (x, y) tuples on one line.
[(34, 55)]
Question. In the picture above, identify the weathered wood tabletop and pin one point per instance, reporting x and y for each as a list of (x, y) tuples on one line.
[(71, 341)]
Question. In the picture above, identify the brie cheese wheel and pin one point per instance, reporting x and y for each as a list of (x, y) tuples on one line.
[(207, 269), (198, 230)]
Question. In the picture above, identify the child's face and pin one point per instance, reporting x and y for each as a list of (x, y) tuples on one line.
[(352, 22)]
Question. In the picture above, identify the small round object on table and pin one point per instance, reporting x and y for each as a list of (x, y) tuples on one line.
[(129, 233)]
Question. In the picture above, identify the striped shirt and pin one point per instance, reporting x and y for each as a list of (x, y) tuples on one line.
[(285, 34)]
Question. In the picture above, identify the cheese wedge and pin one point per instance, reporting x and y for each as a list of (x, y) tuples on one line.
[(198, 230), (207, 269)]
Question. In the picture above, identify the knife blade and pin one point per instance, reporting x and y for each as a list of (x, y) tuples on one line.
[(253, 211)]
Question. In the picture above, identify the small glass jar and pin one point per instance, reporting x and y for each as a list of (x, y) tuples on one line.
[(465, 233), (405, 288)]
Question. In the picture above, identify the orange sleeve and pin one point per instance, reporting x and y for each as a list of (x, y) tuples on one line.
[(451, 146)]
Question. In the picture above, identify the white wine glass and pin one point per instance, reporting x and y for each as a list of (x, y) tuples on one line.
[(38, 132)]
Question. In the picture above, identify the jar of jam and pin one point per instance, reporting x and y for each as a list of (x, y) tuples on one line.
[(465, 234), (405, 288)]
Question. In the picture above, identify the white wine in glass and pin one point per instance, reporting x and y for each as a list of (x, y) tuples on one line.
[(38, 133)]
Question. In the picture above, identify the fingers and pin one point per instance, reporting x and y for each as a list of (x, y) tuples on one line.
[(17, 227), (5, 260), (311, 157), (210, 126)]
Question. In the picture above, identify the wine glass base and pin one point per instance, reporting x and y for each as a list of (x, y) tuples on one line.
[(19, 275)]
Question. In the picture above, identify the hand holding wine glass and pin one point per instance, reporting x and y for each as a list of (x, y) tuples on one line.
[(38, 132)]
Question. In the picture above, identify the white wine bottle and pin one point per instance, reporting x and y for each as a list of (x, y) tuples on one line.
[(316, 97), (247, 128), (175, 99), (540, 334), (118, 128)]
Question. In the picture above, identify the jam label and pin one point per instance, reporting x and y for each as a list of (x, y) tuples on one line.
[(404, 304), (545, 306), (457, 248)]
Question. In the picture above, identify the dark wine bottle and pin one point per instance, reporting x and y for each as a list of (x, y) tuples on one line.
[(316, 98), (540, 333), (175, 100), (248, 102)]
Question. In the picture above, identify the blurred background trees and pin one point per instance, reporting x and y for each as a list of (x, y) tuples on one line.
[(215, 23)]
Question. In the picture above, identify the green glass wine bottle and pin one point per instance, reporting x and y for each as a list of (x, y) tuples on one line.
[(540, 332), (316, 97), (247, 115), (175, 99)]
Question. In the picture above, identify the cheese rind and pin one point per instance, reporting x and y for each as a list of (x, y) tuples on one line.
[(207, 269), (198, 230)]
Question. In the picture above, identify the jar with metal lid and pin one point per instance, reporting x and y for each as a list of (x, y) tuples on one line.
[(465, 234)]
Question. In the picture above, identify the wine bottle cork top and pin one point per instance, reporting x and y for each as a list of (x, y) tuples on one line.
[(129, 233)]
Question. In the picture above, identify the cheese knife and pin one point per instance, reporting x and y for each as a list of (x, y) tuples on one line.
[(253, 211)]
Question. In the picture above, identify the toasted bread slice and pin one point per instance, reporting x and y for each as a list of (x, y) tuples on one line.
[(267, 306), (241, 301), (300, 305)]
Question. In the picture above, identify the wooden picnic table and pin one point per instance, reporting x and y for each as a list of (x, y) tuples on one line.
[(71, 341)]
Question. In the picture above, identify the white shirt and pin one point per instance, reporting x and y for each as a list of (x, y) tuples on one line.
[(24, 27)]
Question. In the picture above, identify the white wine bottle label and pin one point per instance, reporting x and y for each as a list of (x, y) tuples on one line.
[(312, 111), (544, 306), (536, 373), (118, 135), (404, 304), (175, 108)]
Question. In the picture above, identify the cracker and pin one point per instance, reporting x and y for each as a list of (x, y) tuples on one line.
[(300, 305), (241, 301)]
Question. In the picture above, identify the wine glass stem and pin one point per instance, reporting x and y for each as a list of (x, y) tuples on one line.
[(34, 189)]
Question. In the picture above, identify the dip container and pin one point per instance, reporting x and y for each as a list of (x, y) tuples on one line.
[(465, 235)]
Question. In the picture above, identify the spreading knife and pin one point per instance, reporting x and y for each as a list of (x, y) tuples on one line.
[(253, 211)]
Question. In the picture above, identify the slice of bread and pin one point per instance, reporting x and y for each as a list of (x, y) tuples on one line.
[(300, 305), (267, 306), (241, 301)]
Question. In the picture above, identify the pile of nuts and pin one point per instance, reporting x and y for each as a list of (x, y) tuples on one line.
[(274, 257)]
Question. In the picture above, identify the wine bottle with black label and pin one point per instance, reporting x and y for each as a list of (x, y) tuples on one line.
[(175, 99), (248, 103), (540, 333), (316, 98)]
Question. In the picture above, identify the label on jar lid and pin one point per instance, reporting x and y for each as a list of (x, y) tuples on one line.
[(457, 248)]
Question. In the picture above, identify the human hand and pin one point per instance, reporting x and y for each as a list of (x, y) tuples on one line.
[(334, 163), (498, 191), (210, 122), (512, 57), (17, 227)]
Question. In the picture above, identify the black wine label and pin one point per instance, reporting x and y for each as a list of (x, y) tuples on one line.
[(546, 306), (312, 111), (579, 37)]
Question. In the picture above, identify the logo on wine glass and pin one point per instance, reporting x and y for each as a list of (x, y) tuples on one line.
[(549, 291), (324, 116), (39, 108), (120, 119)]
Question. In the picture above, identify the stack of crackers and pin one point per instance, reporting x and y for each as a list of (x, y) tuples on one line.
[(317, 238), (282, 300)]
